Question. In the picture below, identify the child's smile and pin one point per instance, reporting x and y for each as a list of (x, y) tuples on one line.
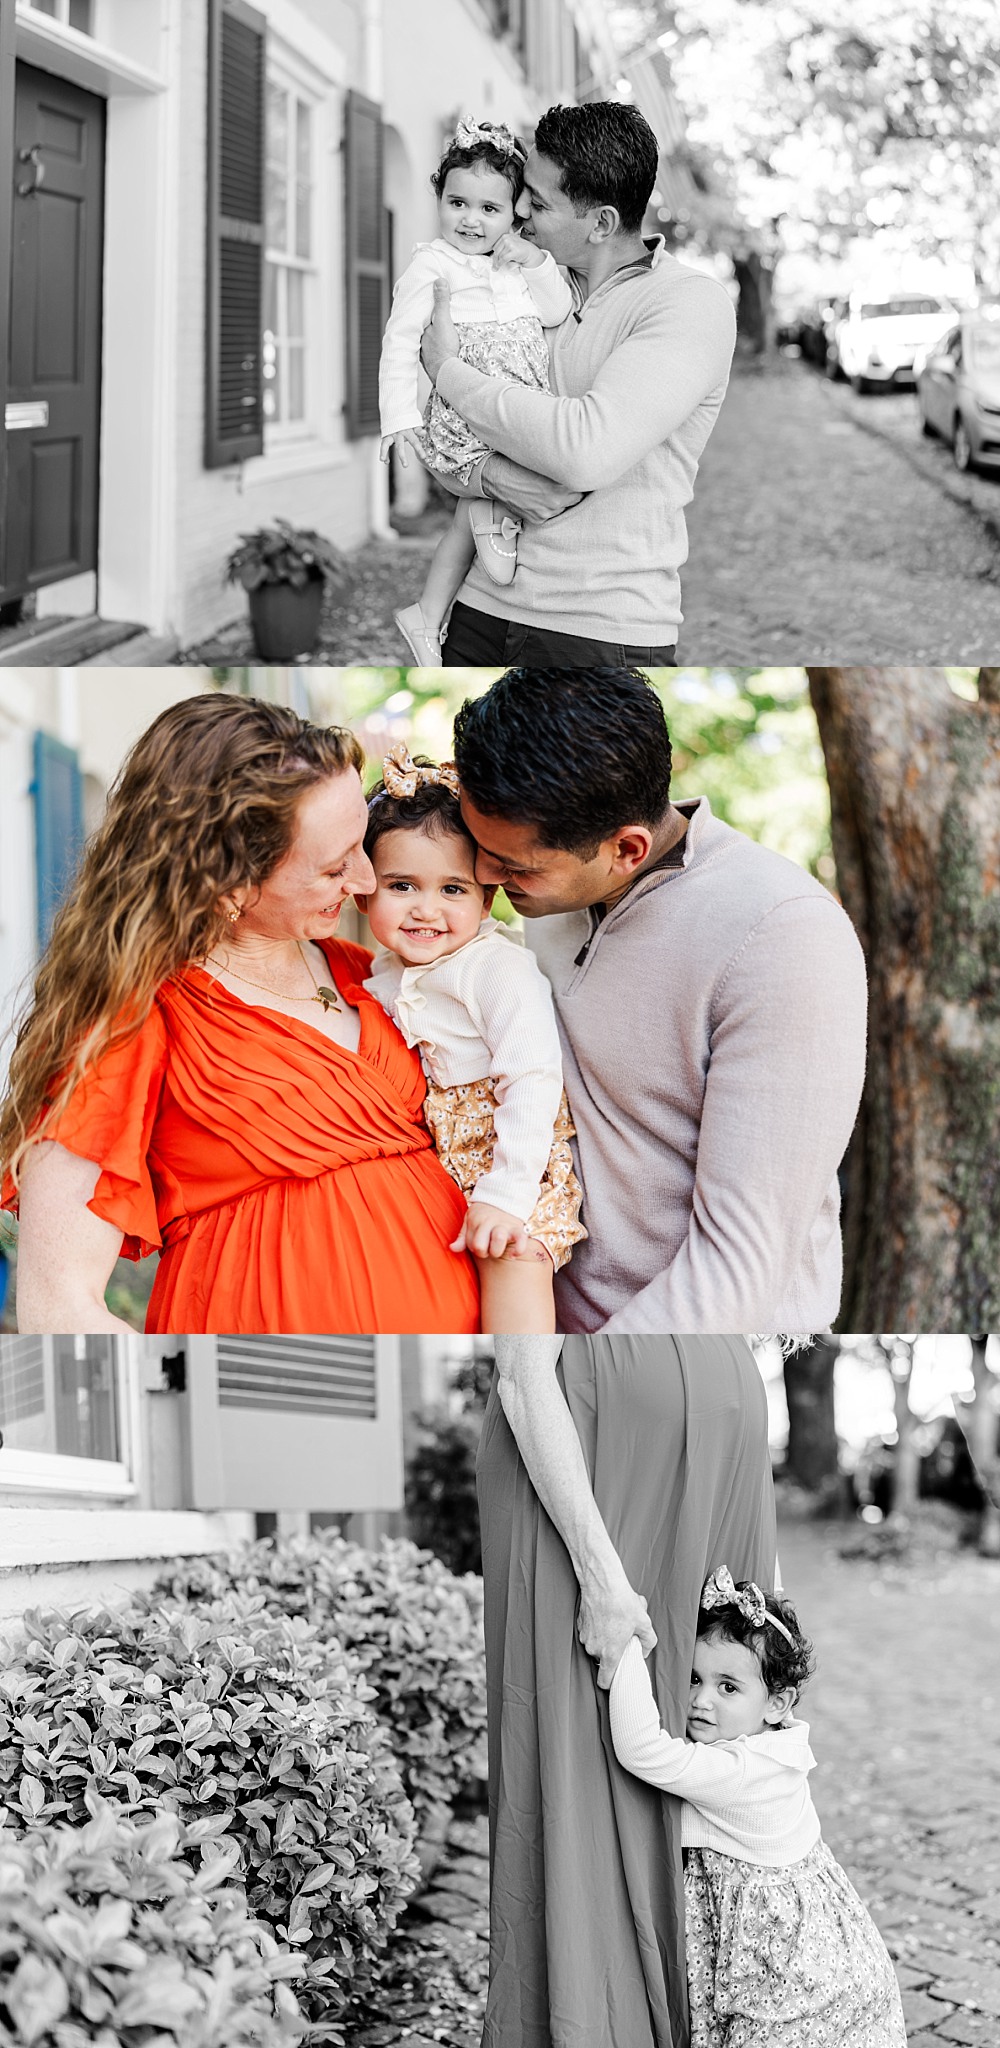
[(426, 901)]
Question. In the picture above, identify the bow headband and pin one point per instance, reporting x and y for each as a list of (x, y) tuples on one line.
[(472, 134), (748, 1600), (403, 776)]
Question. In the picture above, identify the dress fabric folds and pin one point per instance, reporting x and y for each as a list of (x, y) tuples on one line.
[(290, 1183), (587, 1907)]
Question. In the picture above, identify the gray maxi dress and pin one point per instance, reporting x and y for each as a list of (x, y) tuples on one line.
[(586, 1893)]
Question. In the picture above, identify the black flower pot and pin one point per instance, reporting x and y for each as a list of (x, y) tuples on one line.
[(285, 618)]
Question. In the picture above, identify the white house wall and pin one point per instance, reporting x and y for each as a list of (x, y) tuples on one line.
[(324, 480)]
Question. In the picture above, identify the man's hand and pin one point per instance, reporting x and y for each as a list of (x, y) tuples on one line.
[(440, 337), (490, 1233), (536, 498), (512, 248), (406, 435)]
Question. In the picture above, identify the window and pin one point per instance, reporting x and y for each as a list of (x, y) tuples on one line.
[(65, 1414), (78, 14), (289, 299)]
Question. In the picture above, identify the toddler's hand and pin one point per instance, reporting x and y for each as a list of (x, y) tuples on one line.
[(399, 442), (490, 1233), (512, 248)]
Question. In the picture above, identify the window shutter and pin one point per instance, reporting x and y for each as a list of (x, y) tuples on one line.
[(57, 789), (366, 242), (295, 1422), (234, 294)]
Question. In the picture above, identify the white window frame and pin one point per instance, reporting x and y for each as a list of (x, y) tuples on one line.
[(60, 19), (302, 59), (55, 1473)]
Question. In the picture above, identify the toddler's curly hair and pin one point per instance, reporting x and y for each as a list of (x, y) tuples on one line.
[(432, 808), (782, 1663), (462, 157)]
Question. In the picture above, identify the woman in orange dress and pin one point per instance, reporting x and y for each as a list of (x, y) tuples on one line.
[(201, 1071)]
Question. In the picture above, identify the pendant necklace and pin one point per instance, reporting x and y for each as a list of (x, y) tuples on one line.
[(324, 994)]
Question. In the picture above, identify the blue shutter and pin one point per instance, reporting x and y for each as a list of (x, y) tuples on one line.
[(58, 792)]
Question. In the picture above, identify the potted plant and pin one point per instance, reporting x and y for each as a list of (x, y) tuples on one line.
[(284, 570)]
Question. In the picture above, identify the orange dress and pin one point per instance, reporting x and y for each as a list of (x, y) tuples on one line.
[(291, 1185)]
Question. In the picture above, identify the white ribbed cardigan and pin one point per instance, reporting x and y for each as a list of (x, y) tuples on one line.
[(748, 1798), (486, 1012), (481, 291)]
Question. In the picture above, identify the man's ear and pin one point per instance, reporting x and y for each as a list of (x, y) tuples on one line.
[(630, 847), (607, 222), (362, 903), (489, 892)]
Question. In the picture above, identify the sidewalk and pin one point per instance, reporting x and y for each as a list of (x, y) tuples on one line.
[(903, 1714)]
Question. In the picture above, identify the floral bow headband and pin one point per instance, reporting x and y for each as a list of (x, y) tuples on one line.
[(471, 134), (720, 1591), (403, 776)]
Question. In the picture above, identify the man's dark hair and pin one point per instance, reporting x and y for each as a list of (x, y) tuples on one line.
[(608, 156), (577, 753)]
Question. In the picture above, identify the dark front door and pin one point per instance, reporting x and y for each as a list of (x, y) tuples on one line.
[(54, 384)]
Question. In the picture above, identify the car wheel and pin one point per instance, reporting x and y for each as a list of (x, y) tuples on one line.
[(859, 385), (961, 446)]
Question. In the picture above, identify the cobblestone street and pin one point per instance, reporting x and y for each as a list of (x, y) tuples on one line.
[(903, 1713), (824, 528)]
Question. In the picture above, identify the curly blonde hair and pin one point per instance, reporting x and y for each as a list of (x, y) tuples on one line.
[(205, 803)]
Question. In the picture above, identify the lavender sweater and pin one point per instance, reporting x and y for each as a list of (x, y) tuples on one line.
[(639, 372), (713, 1051)]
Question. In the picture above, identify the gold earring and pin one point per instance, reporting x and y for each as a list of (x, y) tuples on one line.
[(233, 916)]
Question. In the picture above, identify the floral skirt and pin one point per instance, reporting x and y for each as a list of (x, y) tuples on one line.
[(511, 348), (787, 1958), (460, 1120)]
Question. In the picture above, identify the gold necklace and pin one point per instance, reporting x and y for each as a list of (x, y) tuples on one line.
[(324, 994)]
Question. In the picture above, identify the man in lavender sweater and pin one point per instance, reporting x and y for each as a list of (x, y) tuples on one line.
[(711, 1003), (638, 373)]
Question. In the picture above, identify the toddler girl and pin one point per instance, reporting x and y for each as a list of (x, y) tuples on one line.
[(781, 1952), (504, 291), (480, 1011)]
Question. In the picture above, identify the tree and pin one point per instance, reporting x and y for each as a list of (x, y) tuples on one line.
[(811, 1458), (980, 1423), (914, 774)]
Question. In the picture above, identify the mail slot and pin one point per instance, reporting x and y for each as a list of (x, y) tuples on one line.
[(26, 412)]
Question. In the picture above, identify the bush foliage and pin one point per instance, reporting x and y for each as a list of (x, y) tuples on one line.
[(236, 1718), (416, 1630), (108, 1935)]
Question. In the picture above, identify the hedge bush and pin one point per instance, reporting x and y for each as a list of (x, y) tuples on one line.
[(240, 1718), (107, 1936), (415, 1627)]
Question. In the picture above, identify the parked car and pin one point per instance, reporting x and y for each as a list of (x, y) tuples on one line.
[(958, 391), (878, 339)]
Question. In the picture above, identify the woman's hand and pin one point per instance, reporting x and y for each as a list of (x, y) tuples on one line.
[(490, 1233), (610, 1615)]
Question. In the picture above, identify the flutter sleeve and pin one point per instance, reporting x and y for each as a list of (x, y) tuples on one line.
[(109, 1118)]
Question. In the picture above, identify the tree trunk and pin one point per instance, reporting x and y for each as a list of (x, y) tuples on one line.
[(812, 1437), (914, 778), (980, 1423), (906, 1479), (754, 318)]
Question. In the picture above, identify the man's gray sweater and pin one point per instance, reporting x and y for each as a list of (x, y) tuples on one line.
[(713, 1034)]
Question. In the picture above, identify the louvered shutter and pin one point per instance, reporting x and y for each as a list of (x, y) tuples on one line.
[(234, 300), (367, 253), (57, 789), (295, 1422)]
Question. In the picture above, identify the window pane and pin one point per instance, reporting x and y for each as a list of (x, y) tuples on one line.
[(80, 12), (296, 384), (295, 320), (277, 167), (44, 6), (60, 1394), (303, 180)]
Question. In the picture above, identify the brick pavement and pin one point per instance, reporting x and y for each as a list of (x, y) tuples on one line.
[(903, 1712)]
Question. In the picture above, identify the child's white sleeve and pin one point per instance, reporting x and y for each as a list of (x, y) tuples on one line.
[(511, 1004), (552, 296), (705, 1773), (399, 363)]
